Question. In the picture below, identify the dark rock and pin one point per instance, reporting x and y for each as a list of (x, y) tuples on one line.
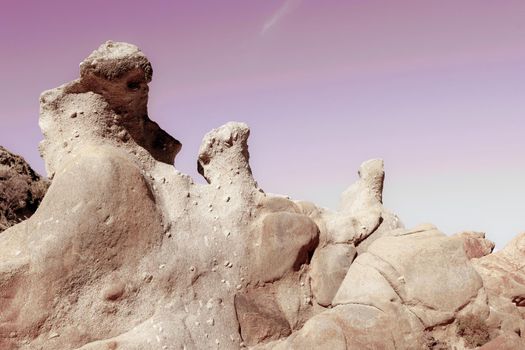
[(21, 189)]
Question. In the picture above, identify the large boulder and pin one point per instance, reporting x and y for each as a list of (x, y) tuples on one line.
[(328, 269), (361, 206), (504, 280), (360, 220), (126, 252), (412, 289)]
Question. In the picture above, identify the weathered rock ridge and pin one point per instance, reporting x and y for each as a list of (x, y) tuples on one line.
[(126, 252)]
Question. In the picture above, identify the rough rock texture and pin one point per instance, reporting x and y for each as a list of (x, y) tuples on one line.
[(21, 189), (125, 252)]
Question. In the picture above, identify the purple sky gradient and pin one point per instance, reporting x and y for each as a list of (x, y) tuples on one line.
[(436, 88)]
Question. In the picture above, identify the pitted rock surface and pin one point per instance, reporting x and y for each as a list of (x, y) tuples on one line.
[(126, 252)]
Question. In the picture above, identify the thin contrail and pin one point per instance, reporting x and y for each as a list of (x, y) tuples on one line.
[(287, 7)]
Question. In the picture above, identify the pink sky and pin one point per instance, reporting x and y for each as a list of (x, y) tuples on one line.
[(436, 88)]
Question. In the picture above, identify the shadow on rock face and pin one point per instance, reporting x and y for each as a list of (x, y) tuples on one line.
[(162, 146), (120, 73)]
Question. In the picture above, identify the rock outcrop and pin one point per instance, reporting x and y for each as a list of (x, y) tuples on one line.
[(126, 252), (21, 189)]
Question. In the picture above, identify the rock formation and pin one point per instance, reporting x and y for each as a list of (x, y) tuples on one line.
[(21, 189), (126, 252)]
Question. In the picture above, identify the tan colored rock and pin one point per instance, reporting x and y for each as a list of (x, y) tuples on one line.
[(260, 318), (475, 244), (361, 206), (349, 327), (504, 282), (390, 222), (224, 157), (328, 269), (126, 252), (283, 243), (88, 235), (420, 276), (507, 341), (360, 220), (412, 289), (108, 102)]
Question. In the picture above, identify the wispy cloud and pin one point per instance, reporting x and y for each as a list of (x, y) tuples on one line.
[(286, 8)]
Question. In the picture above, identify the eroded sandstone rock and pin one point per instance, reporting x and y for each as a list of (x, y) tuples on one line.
[(504, 282), (156, 267), (475, 244), (361, 206), (107, 104), (126, 252), (260, 317), (328, 270)]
